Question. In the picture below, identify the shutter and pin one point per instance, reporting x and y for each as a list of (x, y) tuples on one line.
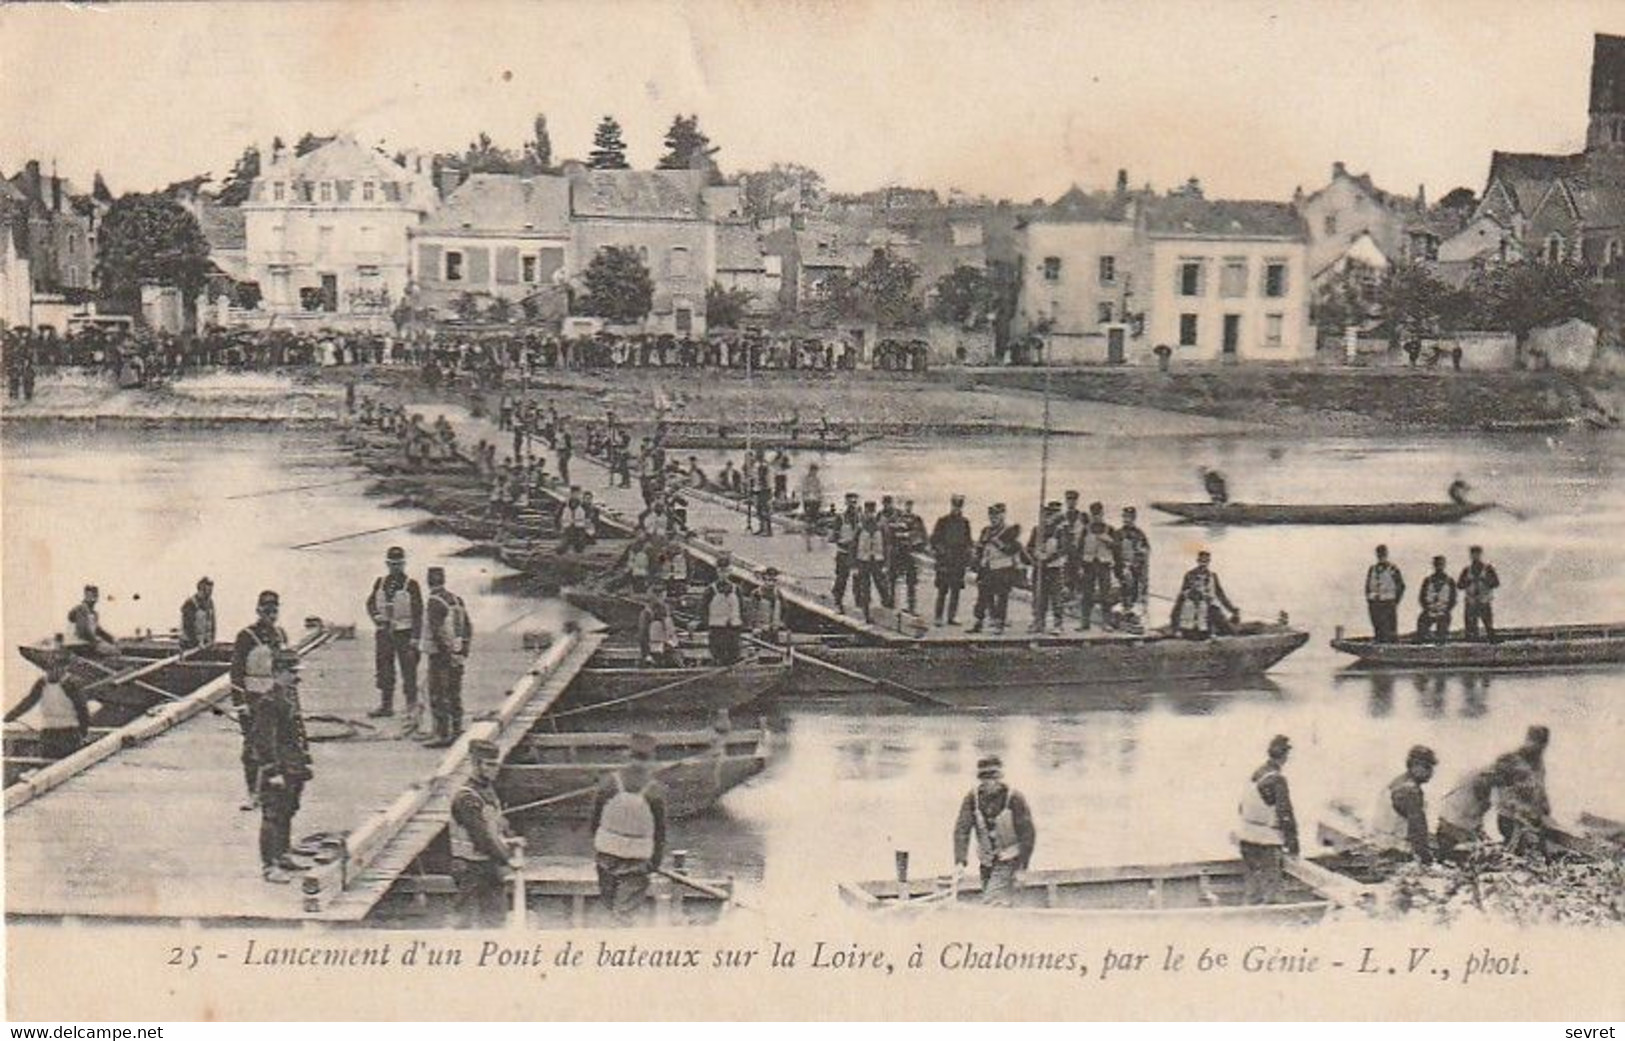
[(428, 263), (343, 190), (478, 261), (548, 261), (507, 265)]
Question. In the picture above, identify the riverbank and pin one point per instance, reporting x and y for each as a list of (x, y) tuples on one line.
[(1328, 400), (885, 404)]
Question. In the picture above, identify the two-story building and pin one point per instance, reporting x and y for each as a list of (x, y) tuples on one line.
[(327, 231), (669, 217), (62, 225), (1077, 278), (743, 264), (1225, 280), (500, 236), (1352, 220)]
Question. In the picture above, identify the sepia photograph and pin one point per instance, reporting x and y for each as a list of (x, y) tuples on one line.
[(813, 510)]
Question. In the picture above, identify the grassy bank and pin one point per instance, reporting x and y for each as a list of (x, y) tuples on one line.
[(1342, 399)]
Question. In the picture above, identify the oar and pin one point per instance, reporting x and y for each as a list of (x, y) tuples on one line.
[(708, 674), (1517, 515), (709, 890), (114, 678), (353, 535), (118, 681), (901, 691), (297, 488)]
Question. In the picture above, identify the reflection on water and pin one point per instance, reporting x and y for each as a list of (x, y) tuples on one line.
[(1114, 776)]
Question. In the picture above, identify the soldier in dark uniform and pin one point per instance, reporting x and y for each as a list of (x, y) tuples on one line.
[(446, 637), (198, 617), (283, 756), (845, 538), (952, 547), (396, 607), (907, 538), (253, 656)]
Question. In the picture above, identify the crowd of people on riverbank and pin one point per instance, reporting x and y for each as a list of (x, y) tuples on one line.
[(137, 355)]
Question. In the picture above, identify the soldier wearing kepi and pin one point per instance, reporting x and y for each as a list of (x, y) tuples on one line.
[(282, 753), (1133, 568), (87, 624), (1478, 583), (482, 849), (396, 607), (1268, 830), (64, 717), (1002, 822), (446, 639), (1400, 822), (252, 657), (1438, 599), (629, 831), (198, 617)]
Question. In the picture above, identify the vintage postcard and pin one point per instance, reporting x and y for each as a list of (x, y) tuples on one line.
[(813, 510)]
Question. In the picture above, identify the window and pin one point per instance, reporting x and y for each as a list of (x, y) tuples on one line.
[(1108, 270), (368, 190), (1187, 330), (1104, 312), (277, 190), (324, 240), (454, 265), (1554, 248), (1273, 324), (679, 262), (1190, 278), (369, 238), (1615, 252), (1275, 279), (527, 268), (1052, 269), (643, 255), (326, 191), (1330, 224), (1233, 277)]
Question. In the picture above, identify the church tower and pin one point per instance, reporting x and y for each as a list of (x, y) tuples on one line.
[(1606, 130)]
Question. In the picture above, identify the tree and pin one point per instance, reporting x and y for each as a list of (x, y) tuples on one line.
[(541, 144), (484, 156), (963, 297), (880, 291), (234, 189), (618, 285), (1459, 199), (726, 308), (151, 238), (687, 148), (608, 150), (1527, 295), (782, 188), (1413, 303), (308, 143)]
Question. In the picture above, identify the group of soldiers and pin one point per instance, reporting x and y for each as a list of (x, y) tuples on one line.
[(1475, 587), (1000, 821)]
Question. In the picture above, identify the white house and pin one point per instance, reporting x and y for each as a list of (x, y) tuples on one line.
[(327, 231), (1077, 278), (1226, 280)]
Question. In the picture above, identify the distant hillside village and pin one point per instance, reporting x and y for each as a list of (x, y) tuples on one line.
[(336, 233)]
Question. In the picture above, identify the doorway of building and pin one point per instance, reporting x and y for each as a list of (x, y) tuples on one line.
[(330, 293), (1116, 341), (1232, 336)]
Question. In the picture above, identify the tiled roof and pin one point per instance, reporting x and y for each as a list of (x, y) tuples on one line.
[(739, 248), (1172, 217), (664, 194), (1079, 206), (507, 203), (345, 158), (1528, 175)]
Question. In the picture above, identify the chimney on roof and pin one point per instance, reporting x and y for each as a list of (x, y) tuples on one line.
[(56, 190), (1339, 170), (1297, 197), (1122, 182), (1421, 198), (34, 186), (450, 178)]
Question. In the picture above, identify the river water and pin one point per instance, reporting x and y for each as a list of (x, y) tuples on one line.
[(1140, 776)]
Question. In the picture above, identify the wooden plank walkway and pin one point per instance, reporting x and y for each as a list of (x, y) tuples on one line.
[(154, 831)]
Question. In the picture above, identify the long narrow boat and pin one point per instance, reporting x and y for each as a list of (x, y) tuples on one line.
[(1322, 513), (541, 560), (560, 773), (559, 894), (1211, 890), (613, 682), (767, 441), (158, 671), (971, 671), (1548, 425), (1537, 647)]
